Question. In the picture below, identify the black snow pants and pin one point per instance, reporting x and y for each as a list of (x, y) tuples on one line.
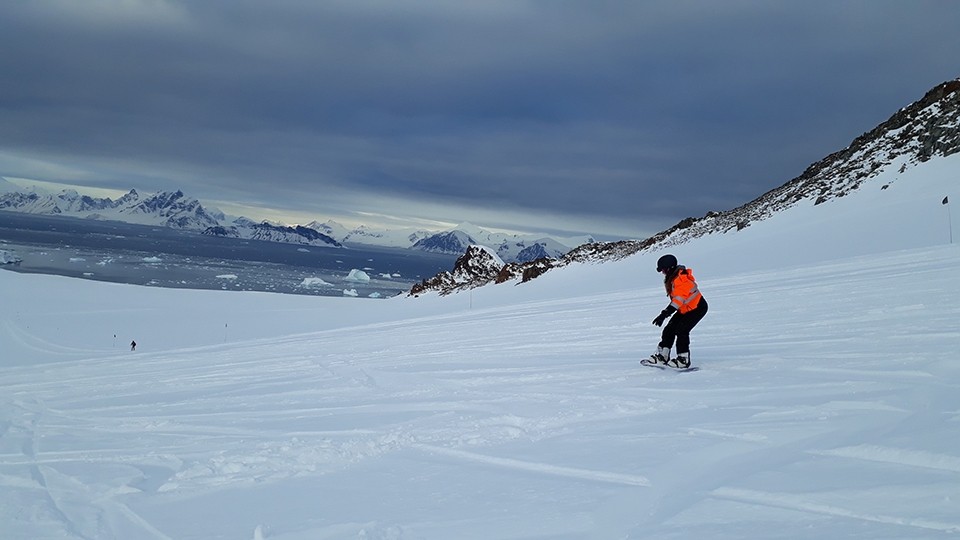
[(679, 327)]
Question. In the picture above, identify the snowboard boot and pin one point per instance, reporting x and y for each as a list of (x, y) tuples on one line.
[(682, 361), (662, 356)]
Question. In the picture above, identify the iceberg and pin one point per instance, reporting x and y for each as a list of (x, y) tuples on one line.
[(313, 283), (8, 257), (358, 276)]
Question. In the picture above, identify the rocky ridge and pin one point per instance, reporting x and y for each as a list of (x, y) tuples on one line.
[(477, 266), (925, 129)]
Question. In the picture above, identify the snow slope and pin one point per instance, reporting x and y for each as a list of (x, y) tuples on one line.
[(827, 405)]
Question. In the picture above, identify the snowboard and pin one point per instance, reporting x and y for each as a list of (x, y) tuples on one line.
[(649, 363)]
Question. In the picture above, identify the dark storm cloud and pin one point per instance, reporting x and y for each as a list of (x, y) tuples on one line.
[(625, 115)]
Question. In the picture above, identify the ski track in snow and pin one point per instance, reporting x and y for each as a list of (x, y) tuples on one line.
[(808, 420)]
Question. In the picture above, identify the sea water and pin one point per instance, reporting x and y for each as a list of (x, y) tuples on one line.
[(163, 257)]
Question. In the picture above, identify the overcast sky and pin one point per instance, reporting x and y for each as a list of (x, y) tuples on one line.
[(615, 118)]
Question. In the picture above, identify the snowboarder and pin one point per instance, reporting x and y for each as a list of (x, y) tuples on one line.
[(687, 306), (133, 345)]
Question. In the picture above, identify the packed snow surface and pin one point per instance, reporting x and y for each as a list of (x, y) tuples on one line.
[(827, 404)]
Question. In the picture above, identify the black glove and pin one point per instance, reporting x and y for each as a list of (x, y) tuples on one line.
[(663, 316)]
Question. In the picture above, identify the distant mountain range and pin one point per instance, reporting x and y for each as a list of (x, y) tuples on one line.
[(176, 210), (168, 209)]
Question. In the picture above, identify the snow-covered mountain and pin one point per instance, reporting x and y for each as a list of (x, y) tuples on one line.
[(268, 232), (545, 248), (174, 209), (330, 228), (364, 235), (450, 242), (455, 241), (402, 238), (522, 247), (509, 247), (166, 209), (926, 129), (29, 203), (886, 165)]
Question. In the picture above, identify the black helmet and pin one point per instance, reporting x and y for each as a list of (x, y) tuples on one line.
[(667, 262)]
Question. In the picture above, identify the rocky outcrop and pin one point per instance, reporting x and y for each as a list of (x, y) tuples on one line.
[(478, 266)]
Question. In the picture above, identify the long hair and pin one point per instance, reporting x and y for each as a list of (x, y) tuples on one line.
[(669, 277)]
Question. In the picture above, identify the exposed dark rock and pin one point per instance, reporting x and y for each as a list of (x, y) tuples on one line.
[(928, 128)]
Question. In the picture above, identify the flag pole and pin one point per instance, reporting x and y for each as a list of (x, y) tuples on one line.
[(950, 222), (946, 201)]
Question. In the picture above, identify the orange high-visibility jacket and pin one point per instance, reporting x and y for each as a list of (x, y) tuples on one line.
[(684, 296)]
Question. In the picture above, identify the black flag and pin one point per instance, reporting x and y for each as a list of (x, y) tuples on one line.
[(945, 200)]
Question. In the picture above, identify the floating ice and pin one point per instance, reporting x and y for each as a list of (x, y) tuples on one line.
[(313, 283), (358, 276), (8, 257)]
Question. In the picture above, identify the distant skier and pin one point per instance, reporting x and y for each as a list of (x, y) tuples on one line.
[(687, 306), (133, 345)]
